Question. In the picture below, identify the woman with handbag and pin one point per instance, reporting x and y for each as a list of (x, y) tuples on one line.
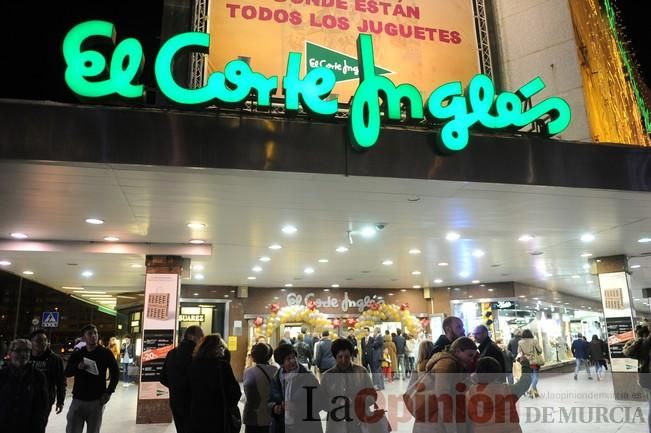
[(341, 386), (529, 347), (215, 391), (257, 387), (294, 399)]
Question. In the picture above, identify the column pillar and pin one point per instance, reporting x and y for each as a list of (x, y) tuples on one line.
[(162, 287), (614, 284)]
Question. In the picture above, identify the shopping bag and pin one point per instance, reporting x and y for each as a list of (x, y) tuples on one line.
[(415, 397), (517, 371)]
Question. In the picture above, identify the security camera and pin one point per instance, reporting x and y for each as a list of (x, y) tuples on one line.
[(380, 226)]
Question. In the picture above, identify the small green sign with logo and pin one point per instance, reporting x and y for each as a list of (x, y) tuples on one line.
[(344, 66)]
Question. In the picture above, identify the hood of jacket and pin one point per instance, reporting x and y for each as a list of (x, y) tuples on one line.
[(443, 362)]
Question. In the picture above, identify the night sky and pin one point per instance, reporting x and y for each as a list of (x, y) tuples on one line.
[(635, 21)]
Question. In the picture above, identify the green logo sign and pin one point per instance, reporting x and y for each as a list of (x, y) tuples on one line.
[(90, 75), (344, 66)]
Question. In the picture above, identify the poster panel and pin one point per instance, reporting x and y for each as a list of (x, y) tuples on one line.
[(422, 42), (619, 320)]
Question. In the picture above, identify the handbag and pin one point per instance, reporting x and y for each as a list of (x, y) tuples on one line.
[(380, 426), (232, 415), (414, 397)]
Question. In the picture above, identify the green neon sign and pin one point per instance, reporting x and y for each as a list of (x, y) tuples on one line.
[(89, 75)]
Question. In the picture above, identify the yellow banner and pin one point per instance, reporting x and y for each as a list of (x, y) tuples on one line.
[(422, 42)]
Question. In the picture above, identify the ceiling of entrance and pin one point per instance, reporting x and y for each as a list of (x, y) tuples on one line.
[(244, 213)]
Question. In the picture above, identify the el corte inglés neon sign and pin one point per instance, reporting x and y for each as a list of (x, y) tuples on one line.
[(447, 105)]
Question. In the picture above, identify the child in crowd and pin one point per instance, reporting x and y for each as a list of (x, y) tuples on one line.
[(386, 365), (501, 415)]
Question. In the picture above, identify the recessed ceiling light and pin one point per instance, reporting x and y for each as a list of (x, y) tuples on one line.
[(323, 260), (289, 285), (289, 229), (521, 296), (464, 274), (586, 266), (525, 238), (72, 288), (536, 299), (415, 272), (197, 241), (644, 240), (5, 263), (632, 266), (368, 232), (452, 236), (195, 294), (257, 269), (443, 264), (111, 238), (265, 259), (414, 251), (197, 267), (548, 275), (586, 255), (341, 249), (590, 282), (438, 281), (416, 286), (390, 294), (326, 290), (587, 237), (86, 292), (275, 247), (136, 265), (18, 235), (478, 253), (251, 278), (28, 272), (308, 270), (387, 262), (196, 225), (475, 281), (199, 277), (491, 290), (403, 290), (575, 276), (87, 274), (334, 285), (95, 221)]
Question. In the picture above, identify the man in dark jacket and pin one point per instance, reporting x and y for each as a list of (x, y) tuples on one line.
[(400, 343), (323, 358), (89, 366), (51, 365), (581, 352), (23, 392), (377, 348), (367, 349), (487, 347), (452, 329), (176, 376), (513, 342)]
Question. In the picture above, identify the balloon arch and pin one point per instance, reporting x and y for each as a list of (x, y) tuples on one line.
[(374, 315)]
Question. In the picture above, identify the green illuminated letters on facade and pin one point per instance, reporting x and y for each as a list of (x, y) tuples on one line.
[(88, 76)]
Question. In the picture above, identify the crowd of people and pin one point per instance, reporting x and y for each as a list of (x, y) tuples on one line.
[(287, 389)]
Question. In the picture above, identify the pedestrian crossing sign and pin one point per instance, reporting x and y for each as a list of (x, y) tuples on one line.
[(50, 319)]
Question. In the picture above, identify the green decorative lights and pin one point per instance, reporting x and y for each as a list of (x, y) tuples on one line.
[(88, 76)]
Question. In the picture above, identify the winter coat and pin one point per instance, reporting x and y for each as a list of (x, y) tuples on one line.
[(597, 350), (489, 348), (441, 344), (257, 388), (580, 349), (351, 383), (391, 346), (323, 359), (24, 400), (303, 352), (530, 348), (214, 391), (300, 392), (176, 375)]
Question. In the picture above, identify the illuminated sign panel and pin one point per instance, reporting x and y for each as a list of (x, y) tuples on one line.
[(447, 104), (424, 42)]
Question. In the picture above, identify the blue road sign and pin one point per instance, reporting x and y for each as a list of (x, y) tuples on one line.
[(50, 319)]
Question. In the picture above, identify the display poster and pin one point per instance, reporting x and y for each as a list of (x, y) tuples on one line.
[(619, 321), (159, 327), (422, 42), (232, 343)]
